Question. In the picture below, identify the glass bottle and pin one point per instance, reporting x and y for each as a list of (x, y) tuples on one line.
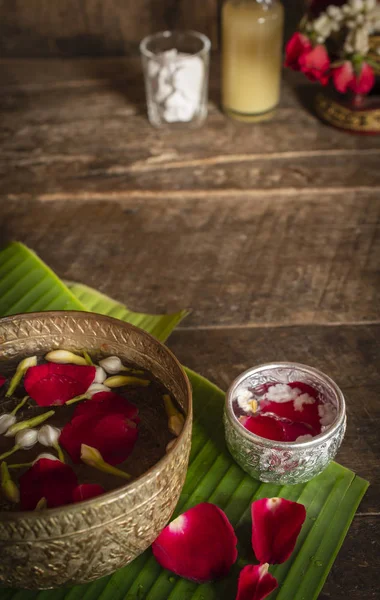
[(252, 36)]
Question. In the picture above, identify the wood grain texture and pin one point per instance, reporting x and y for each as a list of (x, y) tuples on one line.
[(235, 261), (42, 28), (350, 355), (80, 128)]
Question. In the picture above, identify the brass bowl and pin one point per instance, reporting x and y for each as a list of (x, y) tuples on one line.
[(78, 543)]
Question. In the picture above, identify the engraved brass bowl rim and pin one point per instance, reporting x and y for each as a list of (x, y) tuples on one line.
[(264, 442), (144, 478)]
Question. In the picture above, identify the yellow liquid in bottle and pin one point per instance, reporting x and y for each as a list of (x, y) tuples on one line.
[(252, 33)]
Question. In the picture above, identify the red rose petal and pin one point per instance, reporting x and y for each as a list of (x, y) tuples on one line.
[(276, 524), (108, 402), (255, 583), (264, 426), (199, 545), (315, 64), (87, 491), (2, 380), (50, 479), (285, 410), (298, 45), (53, 383), (112, 434), (294, 430)]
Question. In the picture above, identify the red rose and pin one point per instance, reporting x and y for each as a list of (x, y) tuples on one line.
[(345, 79), (315, 64), (297, 46), (49, 479), (113, 435), (53, 384)]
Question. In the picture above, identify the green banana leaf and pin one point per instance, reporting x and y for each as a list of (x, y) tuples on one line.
[(331, 500), (27, 284)]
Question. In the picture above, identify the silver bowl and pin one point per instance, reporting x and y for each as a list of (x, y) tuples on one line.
[(284, 462), (81, 542)]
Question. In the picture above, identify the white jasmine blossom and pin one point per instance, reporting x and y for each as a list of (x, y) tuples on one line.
[(246, 401), (100, 375), (6, 421), (304, 438), (335, 13), (64, 357), (281, 392), (22, 368), (356, 6), (369, 5), (323, 25), (327, 414), (112, 365), (358, 40), (48, 435), (346, 9), (26, 439), (301, 400)]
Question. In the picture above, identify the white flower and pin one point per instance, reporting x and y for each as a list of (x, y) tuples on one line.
[(95, 388), (301, 400), (356, 6), (26, 438), (335, 13), (112, 365), (323, 25), (327, 414), (304, 438), (64, 357), (246, 401), (48, 435), (100, 375), (358, 39), (369, 5), (6, 421), (281, 392), (346, 9), (45, 455), (360, 19)]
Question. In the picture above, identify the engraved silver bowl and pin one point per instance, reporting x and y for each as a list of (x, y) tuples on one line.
[(82, 542), (284, 462)]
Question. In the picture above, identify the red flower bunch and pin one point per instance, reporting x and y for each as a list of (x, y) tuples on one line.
[(107, 422), (200, 544), (332, 44)]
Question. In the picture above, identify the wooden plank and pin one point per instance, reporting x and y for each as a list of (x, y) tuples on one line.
[(81, 126), (355, 573), (350, 355), (259, 260), (43, 28)]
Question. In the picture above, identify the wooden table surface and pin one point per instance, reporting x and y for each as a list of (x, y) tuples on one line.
[(269, 233)]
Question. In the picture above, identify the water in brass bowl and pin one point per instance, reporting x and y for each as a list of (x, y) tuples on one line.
[(80, 542)]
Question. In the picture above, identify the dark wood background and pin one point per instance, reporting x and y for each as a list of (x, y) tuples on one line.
[(51, 28)]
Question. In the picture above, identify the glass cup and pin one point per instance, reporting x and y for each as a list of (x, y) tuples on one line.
[(176, 70)]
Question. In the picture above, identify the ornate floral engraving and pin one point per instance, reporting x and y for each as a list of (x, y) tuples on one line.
[(80, 543)]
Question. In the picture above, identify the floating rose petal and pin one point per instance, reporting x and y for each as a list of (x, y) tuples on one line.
[(87, 491), (276, 524), (255, 583), (199, 545), (50, 479), (292, 431), (53, 383), (264, 426), (112, 434), (2, 380), (309, 414), (106, 403)]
